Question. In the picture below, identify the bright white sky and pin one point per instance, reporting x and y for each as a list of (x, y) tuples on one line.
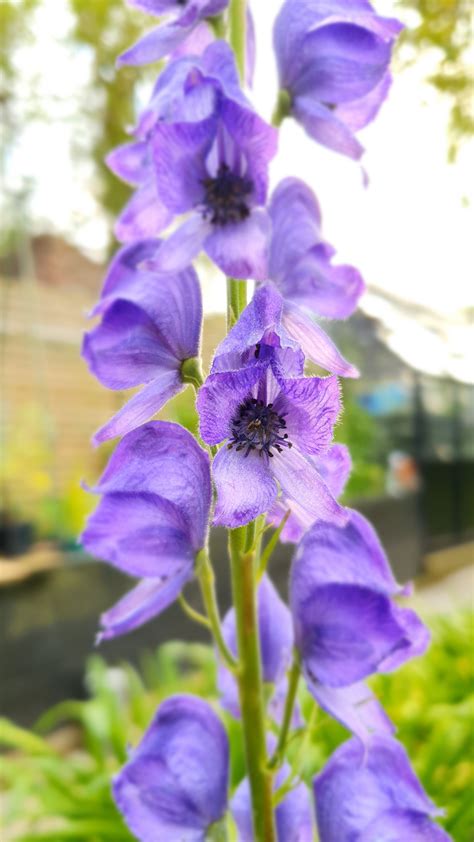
[(409, 231)]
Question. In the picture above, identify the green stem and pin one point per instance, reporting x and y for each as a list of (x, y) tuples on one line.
[(205, 574), (250, 686), (192, 613), (293, 682), (267, 552), (236, 300), (238, 32), (282, 108)]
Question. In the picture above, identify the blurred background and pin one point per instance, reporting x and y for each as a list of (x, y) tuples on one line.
[(405, 220)]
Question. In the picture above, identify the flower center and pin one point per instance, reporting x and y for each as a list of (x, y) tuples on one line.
[(256, 426), (226, 197)]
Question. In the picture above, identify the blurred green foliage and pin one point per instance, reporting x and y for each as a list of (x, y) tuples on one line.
[(447, 26), (430, 700)]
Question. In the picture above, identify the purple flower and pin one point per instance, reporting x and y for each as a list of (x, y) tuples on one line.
[(347, 627), (270, 324), (150, 325), (293, 815), (276, 643), (300, 260), (371, 794), (333, 61), (218, 169), (174, 786), (271, 425), (152, 519), (187, 15), (187, 90), (334, 467)]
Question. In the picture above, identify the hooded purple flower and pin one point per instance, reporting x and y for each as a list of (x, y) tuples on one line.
[(174, 786), (187, 90), (334, 467), (371, 794), (276, 644), (270, 425), (186, 16), (300, 260), (150, 325), (346, 625), (333, 61), (293, 815), (269, 324), (152, 519)]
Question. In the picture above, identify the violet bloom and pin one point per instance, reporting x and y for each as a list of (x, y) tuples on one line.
[(150, 326), (270, 426), (270, 324), (347, 626), (186, 17), (276, 643), (301, 260), (187, 90), (293, 815), (371, 794), (174, 786), (152, 520), (333, 62), (334, 467)]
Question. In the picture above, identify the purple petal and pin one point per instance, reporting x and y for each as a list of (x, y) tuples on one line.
[(323, 125), (330, 291), (219, 399), (122, 272), (141, 534), (360, 112), (311, 406), (394, 825), (345, 632), (245, 487), (182, 246), (175, 784), (341, 62), (126, 349), (164, 458), (351, 554), (417, 637), (304, 490), (355, 707), (179, 154), (256, 140), (241, 249), (143, 603), (196, 42), (315, 343), (141, 407), (143, 216), (296, 220), (361, 784), (129, 162), (335, 466), (155, 45)]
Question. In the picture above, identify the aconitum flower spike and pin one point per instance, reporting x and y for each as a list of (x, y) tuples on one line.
[(347, 626), (150, 326), (269, 325), (301, 260), (166, 38), (371, 794), (174, 786), (293, 815), (270, 426), (334, 466), (333, 61), (275, 631), (152, 519)]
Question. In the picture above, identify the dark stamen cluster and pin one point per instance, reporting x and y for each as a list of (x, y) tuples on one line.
[(226, 197), (257, 426)]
